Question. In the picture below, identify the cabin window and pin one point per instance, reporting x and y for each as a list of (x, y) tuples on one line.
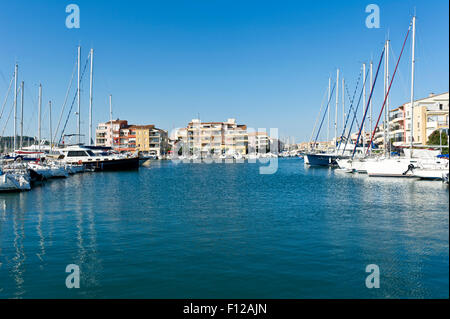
[(76, 153)]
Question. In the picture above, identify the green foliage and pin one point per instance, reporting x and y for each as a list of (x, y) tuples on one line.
[(438, 138)]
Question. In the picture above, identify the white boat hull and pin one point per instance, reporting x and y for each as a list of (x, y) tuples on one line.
[(391, 167), (14, 182), (431, 174)]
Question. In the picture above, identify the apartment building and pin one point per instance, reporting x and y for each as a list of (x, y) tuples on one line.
[(130, 138), (150, 139), (430, 114), (214, 137), (258, 142), (105, 136)]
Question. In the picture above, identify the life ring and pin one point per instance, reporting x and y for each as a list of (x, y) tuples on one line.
[(80, 162)]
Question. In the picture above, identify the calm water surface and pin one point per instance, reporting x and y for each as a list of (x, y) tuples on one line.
[(225, 231)]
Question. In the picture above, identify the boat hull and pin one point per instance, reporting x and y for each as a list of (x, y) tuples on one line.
[(113, 165), (430, 174), (320, 160), (391, 168)]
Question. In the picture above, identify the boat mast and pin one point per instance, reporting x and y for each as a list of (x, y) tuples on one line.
[(371, 86), (78, 96), (343, 106), (329, 97), (50, 124), (384, 97), (336, 112), (91, 96), (22, 85), (412, 81), (39, 116), (386, 110), (363, 109), (111, 121), (15, 105)]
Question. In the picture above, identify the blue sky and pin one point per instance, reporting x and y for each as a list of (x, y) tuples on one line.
[(265, 63)]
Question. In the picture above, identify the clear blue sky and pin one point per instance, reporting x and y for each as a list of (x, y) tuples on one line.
[(265, 63)]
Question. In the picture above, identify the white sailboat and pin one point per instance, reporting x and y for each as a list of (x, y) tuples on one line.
[(414, 159), (14, 178)]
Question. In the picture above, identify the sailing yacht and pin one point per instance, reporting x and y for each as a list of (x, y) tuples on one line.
[(414, 162), (417, 162)]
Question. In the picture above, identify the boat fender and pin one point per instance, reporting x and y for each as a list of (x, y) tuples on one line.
[(410, 168)]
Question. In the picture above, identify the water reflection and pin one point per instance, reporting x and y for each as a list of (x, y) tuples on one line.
[(18, 261), (205, 230)]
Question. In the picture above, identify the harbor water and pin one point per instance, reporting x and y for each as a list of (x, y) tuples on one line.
[(226, 231)]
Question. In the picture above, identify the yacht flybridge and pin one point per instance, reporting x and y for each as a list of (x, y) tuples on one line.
[(79, 154)]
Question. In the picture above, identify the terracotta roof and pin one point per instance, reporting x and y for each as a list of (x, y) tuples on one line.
[(150, 126)]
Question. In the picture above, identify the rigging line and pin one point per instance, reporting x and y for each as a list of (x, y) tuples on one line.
[(6, 97), (421, 50), (390, 85), (351, 109), (402, 80), (7, 120), (65, 99), (368, 103), (318, 115), (3, 77), (355, 115), (73, 102), (352, 101), (33, 104), (323, 117)]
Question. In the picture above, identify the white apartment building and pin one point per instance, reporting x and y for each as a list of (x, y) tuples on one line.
[(430, 114), (104, 135), (214, 137), (258, 142)]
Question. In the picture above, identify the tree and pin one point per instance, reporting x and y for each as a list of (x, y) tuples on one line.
[(439, 138)]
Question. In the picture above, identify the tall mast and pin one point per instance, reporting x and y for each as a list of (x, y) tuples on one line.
[(386, 109), (329, 93), (111, 120), (364, 103), (22, 85), (39, 116), (384, 95), (16, 70), (91, 96), (413, 61), (336, 112), (371, 86), (78, 96), (50, 124), (343, 104)]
